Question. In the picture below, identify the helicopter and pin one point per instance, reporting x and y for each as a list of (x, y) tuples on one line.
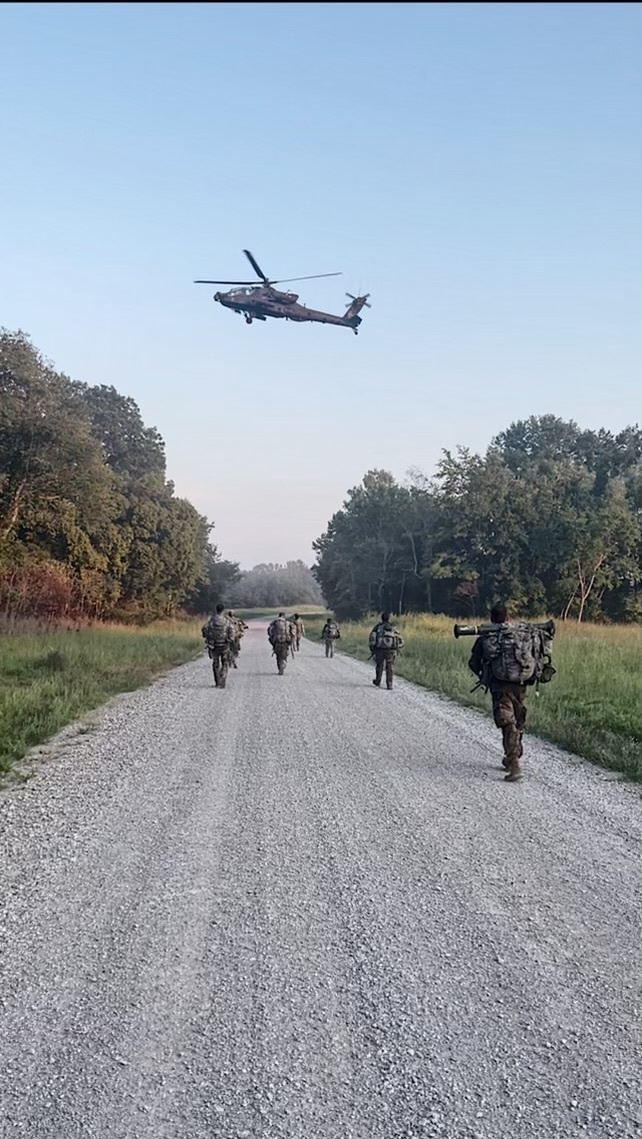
[(257, 300)]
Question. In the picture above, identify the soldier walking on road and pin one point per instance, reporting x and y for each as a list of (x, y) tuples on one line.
[(280, 637), (238, 627), (299, 631), (384, 642), (516, 650), (329, 634), (218, 635)]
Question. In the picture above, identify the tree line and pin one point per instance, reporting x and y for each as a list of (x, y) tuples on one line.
[(90, 526), (549, 519), (269, 585)]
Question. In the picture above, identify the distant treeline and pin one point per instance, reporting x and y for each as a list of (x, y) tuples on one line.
[(268, 586), (89, 525), (549, 520)]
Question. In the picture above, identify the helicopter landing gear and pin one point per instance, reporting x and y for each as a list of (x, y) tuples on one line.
[(356, 331), (248, 320)]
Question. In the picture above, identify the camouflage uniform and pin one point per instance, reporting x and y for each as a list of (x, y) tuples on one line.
[(281, 647), (329, 634), (509, 710), (292, 628), (235, 646), (299, 631), (384, 658), (218, 635)]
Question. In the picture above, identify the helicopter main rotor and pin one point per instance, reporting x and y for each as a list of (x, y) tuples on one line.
[(263, 279)]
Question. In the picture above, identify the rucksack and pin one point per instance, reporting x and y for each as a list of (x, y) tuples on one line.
[(216, 634), (385, 639), (331, 631), (279, 631), (518, 653)]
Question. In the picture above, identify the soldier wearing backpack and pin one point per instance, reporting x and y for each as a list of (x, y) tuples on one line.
[(329, 634), (280, 637), (239, 628), (218, 635), (384, 643), (507, 660)]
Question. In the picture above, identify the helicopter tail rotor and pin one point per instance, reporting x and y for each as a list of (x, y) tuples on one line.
[(363, 300)]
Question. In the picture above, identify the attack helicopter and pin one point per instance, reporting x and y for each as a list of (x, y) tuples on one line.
[(258, 300)]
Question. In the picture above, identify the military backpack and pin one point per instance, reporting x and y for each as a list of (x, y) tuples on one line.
[(279, 631), (517, 653), (216, 632), (385, 639)]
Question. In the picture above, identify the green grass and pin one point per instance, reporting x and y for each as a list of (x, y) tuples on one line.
[(592, 707), (49, 679)]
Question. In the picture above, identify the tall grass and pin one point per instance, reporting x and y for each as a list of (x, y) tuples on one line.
[(47, 679), (592, 707)]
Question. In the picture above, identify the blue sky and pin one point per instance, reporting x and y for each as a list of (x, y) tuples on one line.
[(475, 167)]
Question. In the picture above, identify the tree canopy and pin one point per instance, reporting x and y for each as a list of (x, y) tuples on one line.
[(549, 520), (89, 525)]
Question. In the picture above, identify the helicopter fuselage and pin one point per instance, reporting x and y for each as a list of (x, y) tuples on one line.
[(261, 303), (258, 300)]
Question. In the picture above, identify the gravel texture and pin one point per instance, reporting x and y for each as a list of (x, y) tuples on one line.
[(305, 908)]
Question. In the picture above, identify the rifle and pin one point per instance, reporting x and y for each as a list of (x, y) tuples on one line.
[(479, 630)]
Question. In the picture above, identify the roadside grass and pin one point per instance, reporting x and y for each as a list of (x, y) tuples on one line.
[(48, 679), (592, 707)]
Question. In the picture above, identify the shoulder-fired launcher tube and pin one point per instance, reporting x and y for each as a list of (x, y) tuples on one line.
[(479, 630)]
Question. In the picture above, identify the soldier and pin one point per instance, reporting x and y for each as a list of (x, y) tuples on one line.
[(218, 635), (238, 627), (509, 709), (384, 642), (299, 631), (329, 634), (280, 637)]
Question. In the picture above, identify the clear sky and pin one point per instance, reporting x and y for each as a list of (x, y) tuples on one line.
[(475, 167)]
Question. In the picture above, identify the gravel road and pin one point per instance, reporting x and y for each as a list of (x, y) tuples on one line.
[(305, 908)]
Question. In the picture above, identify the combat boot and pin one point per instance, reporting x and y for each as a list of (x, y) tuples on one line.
[(376, 683), (514, 772)]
